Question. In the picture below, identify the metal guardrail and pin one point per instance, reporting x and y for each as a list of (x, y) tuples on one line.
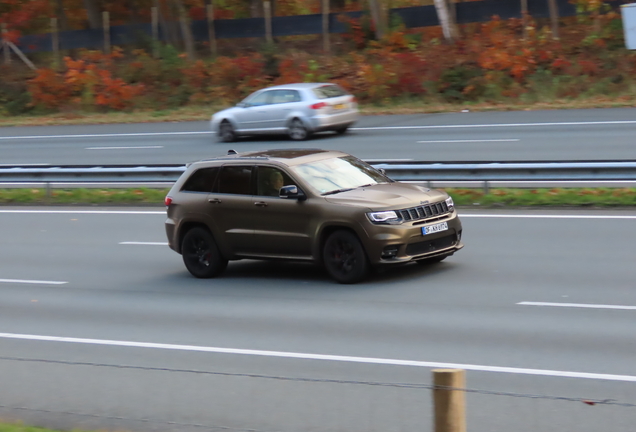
[(481, 172)]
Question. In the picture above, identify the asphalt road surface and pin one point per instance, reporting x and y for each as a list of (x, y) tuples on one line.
[(102, 327), (595, 134)]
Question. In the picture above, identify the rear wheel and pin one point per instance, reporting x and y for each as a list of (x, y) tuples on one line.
[(200, 254), (344, 257), (342, 130), (226, 132), (297, 130)]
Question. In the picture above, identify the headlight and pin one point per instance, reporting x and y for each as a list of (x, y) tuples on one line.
[(450, 203), (385, 217)]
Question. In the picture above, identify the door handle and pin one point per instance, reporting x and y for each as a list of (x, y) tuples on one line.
[(260, 204), (214, 201)]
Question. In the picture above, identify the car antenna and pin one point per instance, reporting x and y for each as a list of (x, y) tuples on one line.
[(232, 152)]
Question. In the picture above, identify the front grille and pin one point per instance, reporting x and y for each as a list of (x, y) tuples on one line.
[(431, 245), (424, 212)]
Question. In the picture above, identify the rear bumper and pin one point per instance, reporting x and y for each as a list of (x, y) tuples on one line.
[(334, 121)]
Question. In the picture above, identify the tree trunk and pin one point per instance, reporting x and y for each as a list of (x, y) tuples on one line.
[(554, 18), (376, 16), (448, 28), (256, 8), (170, 34), (186, 29), (94, 14), (524, 18), (60, 14)]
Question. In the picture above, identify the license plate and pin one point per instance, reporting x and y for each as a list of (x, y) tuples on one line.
[(434, 228), (339, 107)]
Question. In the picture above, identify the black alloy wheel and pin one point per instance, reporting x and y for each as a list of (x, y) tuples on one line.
[(344, 257), (200, 254), (297, 130), (342, 130), (226, 132)]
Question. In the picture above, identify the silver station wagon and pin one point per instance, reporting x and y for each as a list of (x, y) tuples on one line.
[(298, 110)]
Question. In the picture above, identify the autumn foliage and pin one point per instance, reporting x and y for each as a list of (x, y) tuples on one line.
[(492, 62)]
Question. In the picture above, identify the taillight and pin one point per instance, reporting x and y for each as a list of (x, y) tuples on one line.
[(318, 105), (167, 201)]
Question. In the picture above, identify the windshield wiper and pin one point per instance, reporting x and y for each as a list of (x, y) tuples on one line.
[(337, 191)]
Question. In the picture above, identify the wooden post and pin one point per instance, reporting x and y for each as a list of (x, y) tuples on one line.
[(211, 30), (449, 405), (154, 14), (5, 45), (326, 46), (267, 8), (524, 18), (106, 24), (55, 42)]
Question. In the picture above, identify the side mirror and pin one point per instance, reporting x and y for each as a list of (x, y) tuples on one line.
[(291, 192), (382, 171), (242, 105)]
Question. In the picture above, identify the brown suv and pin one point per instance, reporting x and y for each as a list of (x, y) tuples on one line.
[(305, 204)]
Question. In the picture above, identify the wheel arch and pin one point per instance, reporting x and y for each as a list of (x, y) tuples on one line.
[(326, 231)]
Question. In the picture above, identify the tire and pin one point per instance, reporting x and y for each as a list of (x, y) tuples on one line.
[(433, 260), (297, 130), (344, 257), (342, 130), (200, 254), (226, 132)]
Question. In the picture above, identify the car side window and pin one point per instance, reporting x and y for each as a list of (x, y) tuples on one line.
[(270, 180), (259, 99), (235, 180), (201, 180), (285, 96)]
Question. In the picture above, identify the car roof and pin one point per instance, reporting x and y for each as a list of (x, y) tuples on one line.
[(298, 86), (287, 157)]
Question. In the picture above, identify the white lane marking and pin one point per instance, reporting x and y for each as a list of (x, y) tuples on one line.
[(470, 141), (24, 164), (494, 125), (462, 215), (324, 357), (546, 216), (32, 282), (145, 243), (124, 148), (577, 305), (126, 212), (106, 135), (499, 125), (387, 160)]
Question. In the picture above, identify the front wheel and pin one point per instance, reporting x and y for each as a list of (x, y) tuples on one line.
[(297, 130), (226, 132), (200, 254), (342, 130), (344, 257)]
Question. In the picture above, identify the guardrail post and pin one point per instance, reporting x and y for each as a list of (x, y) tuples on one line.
[(48, 192), (486, 187), (449, 400)]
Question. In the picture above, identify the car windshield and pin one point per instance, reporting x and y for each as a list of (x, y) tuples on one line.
[(339, 174)]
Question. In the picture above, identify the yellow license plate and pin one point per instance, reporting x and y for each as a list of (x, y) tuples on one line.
[(339, 106)]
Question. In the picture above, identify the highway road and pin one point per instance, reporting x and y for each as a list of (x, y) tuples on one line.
[(102, 327), (594, 134)]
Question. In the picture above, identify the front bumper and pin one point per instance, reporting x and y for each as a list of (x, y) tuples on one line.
[(390, 244)]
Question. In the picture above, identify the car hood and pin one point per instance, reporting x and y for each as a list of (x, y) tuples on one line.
[(389, 196)]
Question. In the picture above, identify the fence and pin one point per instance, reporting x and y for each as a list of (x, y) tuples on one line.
[(107, 395), (412, 17)]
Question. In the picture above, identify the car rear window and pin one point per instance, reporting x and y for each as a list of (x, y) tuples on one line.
[(329, 91), (201, 181)]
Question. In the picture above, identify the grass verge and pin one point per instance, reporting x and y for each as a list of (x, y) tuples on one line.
[(18, 427), (555, 197), (203, 112)]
